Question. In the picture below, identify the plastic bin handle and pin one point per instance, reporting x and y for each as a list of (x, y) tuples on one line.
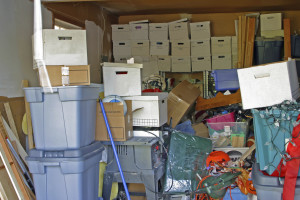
[(50, 164), (264, 75)]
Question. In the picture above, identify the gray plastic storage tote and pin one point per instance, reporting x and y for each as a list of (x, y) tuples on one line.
[(64, 119), (64, 178)]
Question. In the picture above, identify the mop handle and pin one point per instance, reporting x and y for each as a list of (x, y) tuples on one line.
[(114, 149)]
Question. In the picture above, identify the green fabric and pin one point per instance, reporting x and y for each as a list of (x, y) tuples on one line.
[(187, 156)]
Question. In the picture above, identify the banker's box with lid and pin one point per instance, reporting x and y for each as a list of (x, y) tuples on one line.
[(64, 119), (122, 79), (71, 174), (158, 31), (150, 109), (120, 32)]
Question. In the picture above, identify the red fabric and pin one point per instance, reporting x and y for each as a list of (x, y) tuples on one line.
[(292, 166)]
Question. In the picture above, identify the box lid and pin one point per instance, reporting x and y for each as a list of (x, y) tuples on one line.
[(158, 26), (120, 27), (200, 25), (139, 27), (108, 64)]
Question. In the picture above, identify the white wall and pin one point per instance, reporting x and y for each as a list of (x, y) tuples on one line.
[(16, 22)]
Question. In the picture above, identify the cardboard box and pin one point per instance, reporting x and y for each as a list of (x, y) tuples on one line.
[(65, 47), (150, 109), (139, 31), (181, 64), (201, 130), (234, 45), (201, 63), (266, 85), (270, 21), (120, 32), (122, 79), (181, 48), (200, 30), (122, 48), (120, 125), (221, 45), (221, 62), (121, 59), (158, 31), (137, 188), (272, 33), (164, 63), (68, 75), (160, 48), (180, 100), (179, 31), (200, 47), (140, 47), (149, 65)]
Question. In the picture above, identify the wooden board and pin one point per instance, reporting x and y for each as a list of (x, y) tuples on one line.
[(250, 42), (11, 166), (244, 35), (287, 38), (11, 120), (28, 117), (240, 43), (7, 186)]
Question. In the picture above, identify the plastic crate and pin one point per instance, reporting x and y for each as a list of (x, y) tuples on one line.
[(220, 118), (63, 175), (267, 51), (64, 119), (270, 187), (226, 79), (228, 130)]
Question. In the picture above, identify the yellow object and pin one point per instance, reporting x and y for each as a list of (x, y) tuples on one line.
[(114, 187), (24, 124)]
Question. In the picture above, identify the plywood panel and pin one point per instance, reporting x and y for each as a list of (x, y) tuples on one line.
[(222, 24)]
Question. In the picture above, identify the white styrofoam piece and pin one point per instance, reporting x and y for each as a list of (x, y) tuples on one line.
[(150, 109), (65, 47), (122, 79), (267, 85)]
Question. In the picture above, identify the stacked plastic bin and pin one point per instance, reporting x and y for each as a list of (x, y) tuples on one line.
[(65, 161)]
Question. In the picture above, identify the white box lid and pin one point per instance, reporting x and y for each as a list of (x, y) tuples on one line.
[(148, 96), (108, 64)]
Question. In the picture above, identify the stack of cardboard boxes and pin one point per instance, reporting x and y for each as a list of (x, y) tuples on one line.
[(221, 52), (147, 109), (65, 56)]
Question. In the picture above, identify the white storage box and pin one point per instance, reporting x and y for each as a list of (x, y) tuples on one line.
[(150, 109), (160, 48), (270, 22), (221, 62), (181, 64), (158, 31), (220, 45), (181, 47), (200, 30), (267, 85), (234, 45), (122, 48), (121, 59), (200, 47), (140, 48), (179, 31), (65, 47), (122, 79), (149, 65), (120, 32), (164, 63), (139, 31), (201, 63)]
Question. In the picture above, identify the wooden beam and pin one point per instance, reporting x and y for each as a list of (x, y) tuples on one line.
[(11, 120), (240, 43), (23, 154), (244, 34), (250, 42), (12, 169), (287, 38), (28, 117)]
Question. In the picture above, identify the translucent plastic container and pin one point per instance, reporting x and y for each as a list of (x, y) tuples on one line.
[(226, 79), (228, 130), (64, 175), (220, 118), (64, 119)]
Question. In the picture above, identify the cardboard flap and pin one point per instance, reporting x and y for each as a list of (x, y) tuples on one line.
[(186, 91)]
